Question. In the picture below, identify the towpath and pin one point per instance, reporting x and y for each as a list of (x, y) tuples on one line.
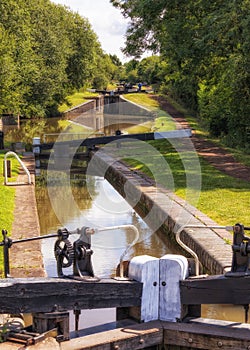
[(215, 155), (26, 258)]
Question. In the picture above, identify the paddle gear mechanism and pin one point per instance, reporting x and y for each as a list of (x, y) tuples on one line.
[(78, 254), (64, 252), (241, 252), (67, 254)]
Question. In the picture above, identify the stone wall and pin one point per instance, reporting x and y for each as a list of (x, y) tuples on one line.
[(215, 255)]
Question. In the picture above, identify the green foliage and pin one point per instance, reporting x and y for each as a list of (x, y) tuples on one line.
[(46, 53), (107, 71), (8, 198), (149, 70), (205, 57), (75, 99)]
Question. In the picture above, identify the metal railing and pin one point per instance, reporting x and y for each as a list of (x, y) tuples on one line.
[(6, 182)]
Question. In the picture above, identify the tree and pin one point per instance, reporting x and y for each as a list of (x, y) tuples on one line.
[(148, 70), (206, 48), (105, 70), (47, 51)]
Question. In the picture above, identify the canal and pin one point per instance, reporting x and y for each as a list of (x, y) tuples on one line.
[(96, 204), (93, 202), (108, 246)]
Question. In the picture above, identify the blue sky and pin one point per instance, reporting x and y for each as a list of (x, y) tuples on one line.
[(107, 22)]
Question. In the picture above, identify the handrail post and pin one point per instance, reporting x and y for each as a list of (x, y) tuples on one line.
[(20, 162)]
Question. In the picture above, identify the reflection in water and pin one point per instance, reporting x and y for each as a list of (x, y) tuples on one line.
[(234, 313), (30, 128), (108, 246)]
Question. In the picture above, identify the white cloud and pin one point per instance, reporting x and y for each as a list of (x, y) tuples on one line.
[(107, 22)]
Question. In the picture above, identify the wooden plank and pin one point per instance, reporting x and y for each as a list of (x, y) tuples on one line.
[(145, 269), (173, 268), (216, 290), (134, 337), (207, 334), (42, 294), (195, 334)]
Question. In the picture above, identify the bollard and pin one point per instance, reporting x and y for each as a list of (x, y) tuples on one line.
[(36, 145), (173, 269), (161, 291), (145, 269)]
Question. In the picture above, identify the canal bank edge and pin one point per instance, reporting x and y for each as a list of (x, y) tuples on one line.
[(211, 247), (26, 258)]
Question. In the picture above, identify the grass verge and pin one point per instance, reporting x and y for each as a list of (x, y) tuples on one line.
[(162, 122), (223, 198), (76, 99), (7, 203)]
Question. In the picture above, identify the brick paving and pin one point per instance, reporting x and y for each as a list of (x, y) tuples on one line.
[(26, 258)]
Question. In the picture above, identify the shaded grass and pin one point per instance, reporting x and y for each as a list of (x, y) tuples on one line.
[(7, 202), (200, 128)]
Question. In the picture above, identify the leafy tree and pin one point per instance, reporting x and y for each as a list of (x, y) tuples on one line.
[(115, 60), (46, 52), (148, 70), (130, 71), (8, 95), (205, 48), (105, 70)]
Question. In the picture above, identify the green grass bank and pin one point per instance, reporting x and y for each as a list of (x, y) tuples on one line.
[(223, 198)]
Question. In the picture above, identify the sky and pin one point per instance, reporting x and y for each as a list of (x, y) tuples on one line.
[(107, 22)]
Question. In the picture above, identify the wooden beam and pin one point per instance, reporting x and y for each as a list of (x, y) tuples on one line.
[(207, 334), (19, 295), (92, 141), (216, 290), (134, 337), (196, 334)]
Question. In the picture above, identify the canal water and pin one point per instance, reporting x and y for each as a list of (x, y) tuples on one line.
[(95, 204), (89, 209), (108, 246)]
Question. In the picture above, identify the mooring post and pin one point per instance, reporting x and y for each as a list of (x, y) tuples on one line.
[(161, 285), (173, 269), (6, 245), (145, 269), (36, 145)]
